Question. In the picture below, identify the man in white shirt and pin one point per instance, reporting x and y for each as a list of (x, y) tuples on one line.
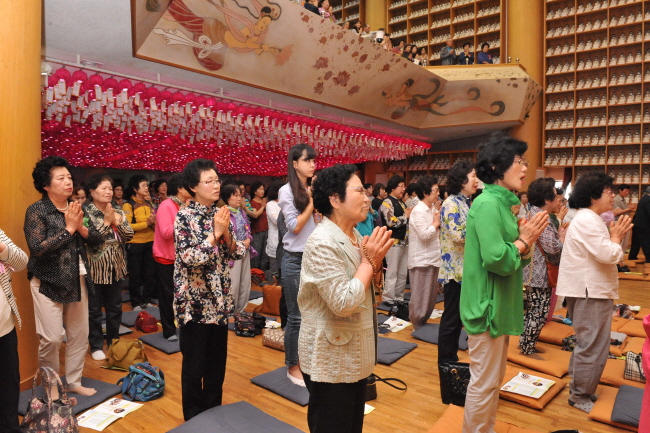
[(424, 251)]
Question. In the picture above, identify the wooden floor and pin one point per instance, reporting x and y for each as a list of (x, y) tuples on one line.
[(414, 410)]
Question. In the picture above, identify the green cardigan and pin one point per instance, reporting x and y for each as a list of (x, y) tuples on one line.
[(492, 295)]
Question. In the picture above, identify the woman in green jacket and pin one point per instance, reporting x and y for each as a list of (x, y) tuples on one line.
[(496, 250)]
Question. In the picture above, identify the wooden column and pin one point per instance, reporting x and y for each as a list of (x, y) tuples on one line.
[(525, 40), (20, 147), (377, 14)]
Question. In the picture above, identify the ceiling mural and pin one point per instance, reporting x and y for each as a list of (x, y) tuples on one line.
[(281, 47)]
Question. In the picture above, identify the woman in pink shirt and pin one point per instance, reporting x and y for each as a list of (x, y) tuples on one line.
[(164, 253)]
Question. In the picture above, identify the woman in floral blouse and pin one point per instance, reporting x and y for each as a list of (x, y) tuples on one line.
[(107, 262), (205, 242), (542, 196)]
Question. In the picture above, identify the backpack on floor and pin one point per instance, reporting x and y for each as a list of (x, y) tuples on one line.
[(143, 383), (249, 324), (145, 322)]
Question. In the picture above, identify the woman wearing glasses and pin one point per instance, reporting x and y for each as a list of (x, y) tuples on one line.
[(589, 280), (496, 250), (340, 274), (205, 242)]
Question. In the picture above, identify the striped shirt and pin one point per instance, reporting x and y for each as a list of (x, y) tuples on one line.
[(12, 259)]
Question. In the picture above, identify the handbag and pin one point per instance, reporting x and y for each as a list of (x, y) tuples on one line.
[(400, 310), (46, 416), (454, 379), (122, 354), (371, 385), (271, 301), (249, 324), (552, 271), (633, 368), (274, 338), (145, 322)]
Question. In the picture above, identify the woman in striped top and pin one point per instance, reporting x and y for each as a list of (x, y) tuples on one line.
[(107, 262)]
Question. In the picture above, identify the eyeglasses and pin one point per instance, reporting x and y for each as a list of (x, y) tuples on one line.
[(211, 182), (522, 162), (435, 189), (358, 189), (608, 192)]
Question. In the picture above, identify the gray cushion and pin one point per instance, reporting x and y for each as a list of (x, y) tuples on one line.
[(104, 392), (126, 297), (128, 317), (240, 417), (277, 382), (429, 333), (254, 294), (390, 350), (161, 343), (627, 407), (123, 329)]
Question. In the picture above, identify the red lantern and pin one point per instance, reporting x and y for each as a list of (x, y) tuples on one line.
[(95, 80), (166, 95), (110, 83), (178, 97), (153, 92)]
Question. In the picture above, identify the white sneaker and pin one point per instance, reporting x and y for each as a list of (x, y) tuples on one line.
[(172, 338), (98, 355), (295, 380)]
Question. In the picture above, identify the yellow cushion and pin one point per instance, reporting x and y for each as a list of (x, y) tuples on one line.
[(603, 407), (640, 315), (633, 328), (562, 312), (634, 344), (452, 422), (618, 323), (613, 374), (553, 361), (535, 403), (554, 333), (620, 349)]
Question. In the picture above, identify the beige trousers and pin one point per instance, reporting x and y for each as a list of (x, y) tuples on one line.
[(50, 318), (488, 366), (240, 282), (424, 292)]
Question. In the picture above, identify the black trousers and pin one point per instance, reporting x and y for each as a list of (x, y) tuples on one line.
[(165, 277), (9, 383), (108, 296), (640, 240), (205, 349), (450, 324), (335, 407), (141, 273)]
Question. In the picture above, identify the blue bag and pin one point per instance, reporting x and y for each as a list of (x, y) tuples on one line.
[(143, 383)]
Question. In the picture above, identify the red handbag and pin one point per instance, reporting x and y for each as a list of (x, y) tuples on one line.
[(145, 322)]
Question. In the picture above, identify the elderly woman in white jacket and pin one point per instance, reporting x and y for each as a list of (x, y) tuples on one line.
[(589, 280), (424, 251), (340, 274), (12, 259)]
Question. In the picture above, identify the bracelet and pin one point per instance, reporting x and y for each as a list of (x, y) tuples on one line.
[(372, 262), (527, 247)]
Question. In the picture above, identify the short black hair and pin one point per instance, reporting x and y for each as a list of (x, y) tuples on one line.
[(377, 189), (589, 186), (175, 183), (393, 182), (240, 182), (256, 185), (497, 155), (331, 181), (367, 185), (134, 184), (485, 44), (466, 44), (192, 173), (521, 194), (424, 185), (412, 188), (94, 181), (623, 186), (42, 173), (457, 175), (274, 189), (228, 191), (540, 190), (559, 190)]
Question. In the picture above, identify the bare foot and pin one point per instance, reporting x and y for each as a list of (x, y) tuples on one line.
[(82, 390)]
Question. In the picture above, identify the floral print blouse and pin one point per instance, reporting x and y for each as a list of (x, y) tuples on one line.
[(535, 274), (201, 273), (453, 221), (392, 221)]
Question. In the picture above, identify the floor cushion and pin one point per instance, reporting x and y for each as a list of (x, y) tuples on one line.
[(553, 361), (634, 344), (254, 294), (535, 403), (277, 382), (452, 422), (161, 343), (104, 392), (617, 323), (390, 350), (240, 417), (429, 333), (603, 407), (613, 374), (633, 328), (627, 408), (555, 332), (642, 313)]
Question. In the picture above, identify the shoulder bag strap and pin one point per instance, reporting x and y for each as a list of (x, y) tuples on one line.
[(386, 381)]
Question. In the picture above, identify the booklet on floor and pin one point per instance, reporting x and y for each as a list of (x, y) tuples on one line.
[(528, 385), (107, 413)]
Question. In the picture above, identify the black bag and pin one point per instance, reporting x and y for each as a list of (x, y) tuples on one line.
[(249, 324), (371, 388), (454, 378), (400, 310)]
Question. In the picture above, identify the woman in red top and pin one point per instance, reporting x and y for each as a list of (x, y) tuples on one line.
[(259, 226)]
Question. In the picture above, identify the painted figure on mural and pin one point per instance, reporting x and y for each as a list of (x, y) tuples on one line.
[(212, 37)]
